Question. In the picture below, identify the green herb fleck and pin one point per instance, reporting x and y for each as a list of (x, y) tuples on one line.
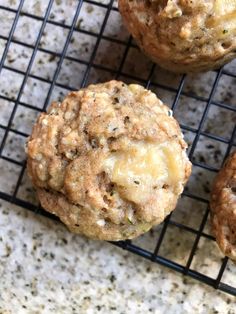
[(130, 221), (177, 14), (225, 31)]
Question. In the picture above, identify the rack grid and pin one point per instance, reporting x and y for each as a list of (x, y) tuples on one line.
[(99, 37)]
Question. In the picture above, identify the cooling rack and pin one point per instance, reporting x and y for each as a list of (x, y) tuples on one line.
[(206, 114)]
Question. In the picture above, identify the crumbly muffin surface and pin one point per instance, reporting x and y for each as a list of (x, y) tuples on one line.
[(182, 35), (110, 160), (223, 207)]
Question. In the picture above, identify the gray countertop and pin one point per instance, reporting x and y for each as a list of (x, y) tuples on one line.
[(43, 267), (46, 269)]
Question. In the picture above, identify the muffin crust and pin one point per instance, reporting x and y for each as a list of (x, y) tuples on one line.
[(182, 35), (110, 160), (223, 207)]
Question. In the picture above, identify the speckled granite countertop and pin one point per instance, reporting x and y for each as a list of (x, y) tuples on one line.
[(43, 267)]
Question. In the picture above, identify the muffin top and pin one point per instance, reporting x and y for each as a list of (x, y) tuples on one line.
[(183, 35), (223, 207), (110, 160)]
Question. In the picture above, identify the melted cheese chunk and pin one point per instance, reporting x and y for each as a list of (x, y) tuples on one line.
[(223, 7), (224, 15), (144, 167)]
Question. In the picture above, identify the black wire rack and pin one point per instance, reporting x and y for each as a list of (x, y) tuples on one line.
[(179, 90)]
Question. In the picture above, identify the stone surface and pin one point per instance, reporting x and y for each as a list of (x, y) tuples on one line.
[(43, 267)]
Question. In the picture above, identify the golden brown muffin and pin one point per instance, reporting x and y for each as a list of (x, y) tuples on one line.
[(182, 35), (110, 160), (223, 207)]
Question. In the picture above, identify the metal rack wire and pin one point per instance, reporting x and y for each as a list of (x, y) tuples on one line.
[(110, 6)]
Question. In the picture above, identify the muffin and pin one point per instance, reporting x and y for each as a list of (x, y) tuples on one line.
[(223, 207), (110, 160), (181, 35)]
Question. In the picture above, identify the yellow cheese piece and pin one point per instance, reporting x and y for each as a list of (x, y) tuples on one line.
[(223, 7), (144, 167), (224, 15)]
